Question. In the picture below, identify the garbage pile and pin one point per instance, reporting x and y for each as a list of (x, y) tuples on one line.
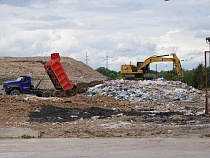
[(147, 91)]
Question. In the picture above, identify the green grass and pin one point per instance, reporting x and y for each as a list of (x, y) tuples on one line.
[(25, 136)]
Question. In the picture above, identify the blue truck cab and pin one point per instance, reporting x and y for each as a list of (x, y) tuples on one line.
[(21, 85)]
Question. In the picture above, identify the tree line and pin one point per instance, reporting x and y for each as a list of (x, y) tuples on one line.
[(111, 74), (194, 77)]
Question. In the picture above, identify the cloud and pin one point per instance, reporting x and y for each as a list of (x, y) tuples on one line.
[(202, 34), (17, 3), (127, 30), (169, 35)]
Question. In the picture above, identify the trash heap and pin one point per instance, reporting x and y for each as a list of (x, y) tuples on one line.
[(147, 91)]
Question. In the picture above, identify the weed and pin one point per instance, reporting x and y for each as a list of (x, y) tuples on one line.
[(25, 136)]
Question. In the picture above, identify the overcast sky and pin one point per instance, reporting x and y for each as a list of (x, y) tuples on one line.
[(129, 30)]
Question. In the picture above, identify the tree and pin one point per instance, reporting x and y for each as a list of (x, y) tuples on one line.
[(188, 76), (110, 73), (198, 78), (168, 75), (103, 71), (120, 76)]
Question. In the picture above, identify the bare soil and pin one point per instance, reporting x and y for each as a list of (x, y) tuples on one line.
[(100, 116)]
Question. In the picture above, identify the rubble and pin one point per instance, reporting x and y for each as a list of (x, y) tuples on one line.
[(148, 91)]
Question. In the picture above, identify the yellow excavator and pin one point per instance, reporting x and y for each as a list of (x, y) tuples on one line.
[(142, 69)]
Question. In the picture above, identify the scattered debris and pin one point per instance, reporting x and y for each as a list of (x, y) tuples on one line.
[(104, 116), (148, 91)]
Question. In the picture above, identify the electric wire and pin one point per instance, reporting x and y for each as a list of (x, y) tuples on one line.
[(191, 57), (197, 54)]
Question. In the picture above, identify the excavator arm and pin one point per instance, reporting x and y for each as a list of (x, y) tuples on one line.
[(154, 59), (178, 67), (174, 59)]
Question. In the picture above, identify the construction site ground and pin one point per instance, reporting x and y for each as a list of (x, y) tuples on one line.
[(101, 116), (88, 115)]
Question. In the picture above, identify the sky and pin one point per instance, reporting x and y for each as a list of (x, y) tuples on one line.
[(124, 30)]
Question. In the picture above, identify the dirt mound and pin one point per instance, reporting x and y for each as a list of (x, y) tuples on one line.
[(77, 71)]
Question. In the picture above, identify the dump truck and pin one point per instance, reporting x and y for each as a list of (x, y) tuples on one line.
[(141, 70), (54, 69)]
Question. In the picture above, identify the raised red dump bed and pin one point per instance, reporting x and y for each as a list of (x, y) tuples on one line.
[(57, 73)]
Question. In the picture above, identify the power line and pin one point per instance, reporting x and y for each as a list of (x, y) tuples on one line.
[(196, 54), (193, 56)]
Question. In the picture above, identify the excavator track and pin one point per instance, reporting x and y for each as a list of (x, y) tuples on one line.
[(129, 77)]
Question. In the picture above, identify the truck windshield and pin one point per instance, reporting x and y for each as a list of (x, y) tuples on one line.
[(19, 78)]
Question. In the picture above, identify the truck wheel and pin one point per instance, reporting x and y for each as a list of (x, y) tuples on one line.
[(56, 93), (46, 94), (15, 92)]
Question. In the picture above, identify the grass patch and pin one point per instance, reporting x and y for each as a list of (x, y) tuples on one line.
[(25, 136)]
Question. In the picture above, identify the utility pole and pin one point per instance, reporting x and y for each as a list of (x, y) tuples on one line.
[(206, 78), (107, 60), (86, 59)]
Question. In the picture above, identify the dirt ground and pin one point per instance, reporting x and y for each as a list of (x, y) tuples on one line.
[(101, 116), (98, 116)]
